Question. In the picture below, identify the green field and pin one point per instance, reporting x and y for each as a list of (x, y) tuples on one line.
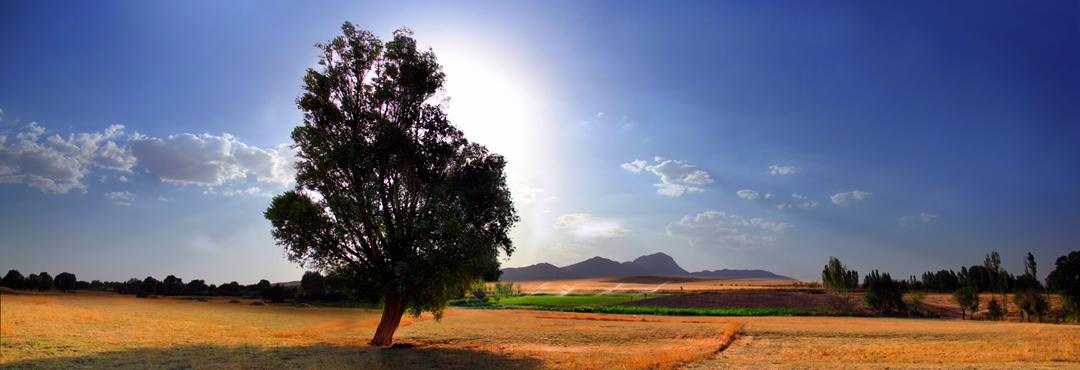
[(571, 300)]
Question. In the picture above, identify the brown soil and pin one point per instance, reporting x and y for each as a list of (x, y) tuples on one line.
[(751, 299)]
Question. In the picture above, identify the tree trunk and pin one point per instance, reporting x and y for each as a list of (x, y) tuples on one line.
[(391, 318)]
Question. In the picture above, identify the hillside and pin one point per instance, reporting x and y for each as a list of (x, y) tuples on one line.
[(654, 264)]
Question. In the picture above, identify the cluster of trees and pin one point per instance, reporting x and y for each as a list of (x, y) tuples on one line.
[(885, 295), (313, 287), (64, 281)]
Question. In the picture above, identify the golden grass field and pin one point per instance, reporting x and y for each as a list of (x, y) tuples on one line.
[(88, 330)]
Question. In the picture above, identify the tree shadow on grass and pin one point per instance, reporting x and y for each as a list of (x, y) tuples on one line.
[(321, 356)]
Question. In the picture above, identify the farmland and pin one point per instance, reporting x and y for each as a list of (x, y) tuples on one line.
[(87, 330)]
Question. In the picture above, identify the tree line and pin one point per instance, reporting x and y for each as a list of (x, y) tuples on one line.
[(314, 286), (885, 295)]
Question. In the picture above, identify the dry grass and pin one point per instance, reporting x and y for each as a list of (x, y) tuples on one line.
[(108, 331)]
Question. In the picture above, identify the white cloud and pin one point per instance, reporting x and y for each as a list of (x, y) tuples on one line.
[(778, 170), (676, 177), (121, 198), (747, 194), (600, 115), (783, 206), (55, 163), (713, 228), (59, 164), (209, 160), (850, 197), (584, 226), (635, 166), (919, 219)]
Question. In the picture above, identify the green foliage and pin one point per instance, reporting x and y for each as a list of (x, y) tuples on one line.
[(968, 300), (837, 277), (1070, 309), (1065, 279), (1031, 304), (478, 292), (994, 310), (387, 188), (882, 293)]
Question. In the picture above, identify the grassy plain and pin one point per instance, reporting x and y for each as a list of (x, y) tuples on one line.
[(87, 330)]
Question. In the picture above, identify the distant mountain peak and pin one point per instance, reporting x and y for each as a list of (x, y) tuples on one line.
[(656, 264)]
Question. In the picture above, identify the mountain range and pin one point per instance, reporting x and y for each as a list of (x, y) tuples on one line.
[(658, 264)]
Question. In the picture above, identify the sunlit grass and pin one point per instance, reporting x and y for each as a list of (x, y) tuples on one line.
[(108, 331)]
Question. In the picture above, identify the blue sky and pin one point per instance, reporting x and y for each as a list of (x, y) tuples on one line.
[(752, 134)]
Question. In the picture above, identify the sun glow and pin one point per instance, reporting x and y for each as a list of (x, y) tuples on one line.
[(498, 100)]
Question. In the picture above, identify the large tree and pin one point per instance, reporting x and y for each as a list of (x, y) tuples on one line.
[(1065, 280), (388, 192), (65, 281)]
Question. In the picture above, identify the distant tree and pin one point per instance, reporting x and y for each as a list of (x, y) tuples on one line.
[(994, 311), (82, 285), (403, 201), (150, 285), (882, 293), (14, 280), (230, 288), (1065, 281), (314, 285), (32, 282), (278, 293), (132, 286), (262, 286), (917, 298), (197, 287), (45, 281), (65, 281), (1031, 304), (941, 281), (172, 285), (837, 277), (968, 300)]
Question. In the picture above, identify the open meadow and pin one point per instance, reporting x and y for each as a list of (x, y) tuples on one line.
[(92, 330)]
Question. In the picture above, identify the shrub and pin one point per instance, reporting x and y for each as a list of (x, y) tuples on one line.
[(994, 311)]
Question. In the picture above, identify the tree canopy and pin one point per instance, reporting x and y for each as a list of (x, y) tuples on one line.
[(388, 192)]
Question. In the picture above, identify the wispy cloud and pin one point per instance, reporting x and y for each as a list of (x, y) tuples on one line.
[(778, 170), (747, 194), (846, 198), (121, 198)]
